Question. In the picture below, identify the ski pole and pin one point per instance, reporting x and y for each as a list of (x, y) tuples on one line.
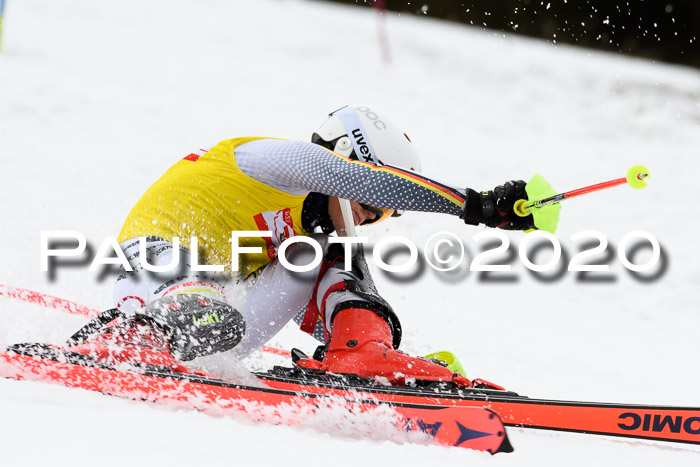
[(636, 178)]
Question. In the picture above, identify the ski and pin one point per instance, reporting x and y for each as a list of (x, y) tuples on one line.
[(466, 427), (652, 422)]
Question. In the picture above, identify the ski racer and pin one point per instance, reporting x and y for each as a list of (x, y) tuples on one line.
[(359, 169)]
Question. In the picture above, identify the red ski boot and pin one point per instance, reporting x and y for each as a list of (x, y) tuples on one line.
[(365, 331), (361, 343)]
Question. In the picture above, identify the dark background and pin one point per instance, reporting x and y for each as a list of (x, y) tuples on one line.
[(662, 30)]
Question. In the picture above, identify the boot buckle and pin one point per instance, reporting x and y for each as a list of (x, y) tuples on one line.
[(311, 364), (483, 384)]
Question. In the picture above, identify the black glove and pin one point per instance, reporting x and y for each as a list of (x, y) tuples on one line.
[(495, 208)]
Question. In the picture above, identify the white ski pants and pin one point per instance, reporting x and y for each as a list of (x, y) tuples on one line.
[(273, 297)]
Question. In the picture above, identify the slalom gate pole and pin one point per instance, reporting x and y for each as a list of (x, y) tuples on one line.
[(380, 5), (636, 178), (2, 13)]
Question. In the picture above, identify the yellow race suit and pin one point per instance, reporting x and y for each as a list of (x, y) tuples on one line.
[(208, 195)]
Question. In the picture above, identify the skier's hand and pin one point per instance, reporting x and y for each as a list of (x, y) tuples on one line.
[(495, 207)]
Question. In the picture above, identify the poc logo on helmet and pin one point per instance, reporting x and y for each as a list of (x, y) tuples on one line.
[(373, 117)]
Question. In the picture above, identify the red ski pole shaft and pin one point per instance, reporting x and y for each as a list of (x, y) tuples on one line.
[(636, 177), (596, 187), (538, 203)]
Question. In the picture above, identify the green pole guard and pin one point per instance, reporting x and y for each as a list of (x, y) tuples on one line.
[(450, 360)]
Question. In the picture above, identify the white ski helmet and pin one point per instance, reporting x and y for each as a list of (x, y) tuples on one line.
[(361, 133)]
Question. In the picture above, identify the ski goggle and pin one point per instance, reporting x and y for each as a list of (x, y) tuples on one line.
[(380, 214)]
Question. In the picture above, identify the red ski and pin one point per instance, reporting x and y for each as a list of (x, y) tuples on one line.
[(660, 423), (467, 427)]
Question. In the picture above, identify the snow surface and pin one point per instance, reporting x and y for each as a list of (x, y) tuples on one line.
[(99, 98)]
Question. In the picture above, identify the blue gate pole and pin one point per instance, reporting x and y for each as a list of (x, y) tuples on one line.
[(2, 11)]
